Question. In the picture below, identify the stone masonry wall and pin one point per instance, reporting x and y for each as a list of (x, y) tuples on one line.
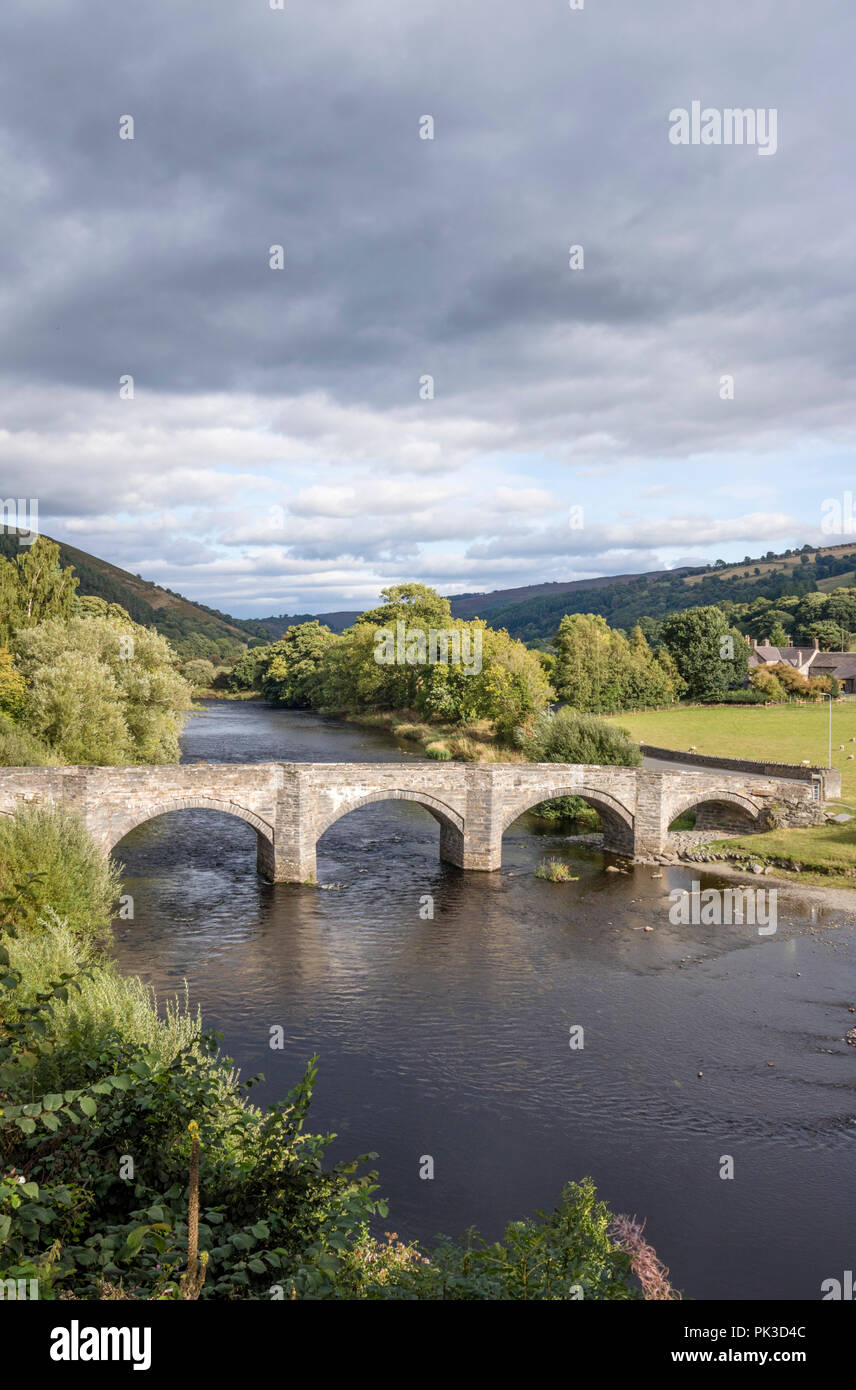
[(290, 805)]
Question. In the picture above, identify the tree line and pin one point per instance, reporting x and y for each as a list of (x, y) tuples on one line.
[(80, 682)]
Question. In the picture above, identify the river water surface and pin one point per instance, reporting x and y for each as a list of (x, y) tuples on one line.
[(449, 1036)]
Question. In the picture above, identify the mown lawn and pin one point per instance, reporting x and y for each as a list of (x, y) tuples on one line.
[(775, 733), (778, 733)]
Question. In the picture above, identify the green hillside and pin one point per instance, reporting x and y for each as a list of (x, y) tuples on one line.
[(192, 628), (624, 599), (531, 613)]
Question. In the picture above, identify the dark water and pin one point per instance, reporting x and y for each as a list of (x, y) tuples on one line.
[(450, 1036)]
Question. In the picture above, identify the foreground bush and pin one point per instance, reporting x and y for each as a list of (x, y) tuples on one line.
[(105, 1213), (567, 736), (73, 879), (566, 1254)]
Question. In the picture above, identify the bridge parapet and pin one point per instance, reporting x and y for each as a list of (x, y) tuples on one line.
[(290, 805)]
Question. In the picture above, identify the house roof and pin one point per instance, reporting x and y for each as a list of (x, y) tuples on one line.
[(793, 656), (839, 664)]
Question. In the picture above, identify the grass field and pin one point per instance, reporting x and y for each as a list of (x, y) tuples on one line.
[(775, 733), (824, 849)]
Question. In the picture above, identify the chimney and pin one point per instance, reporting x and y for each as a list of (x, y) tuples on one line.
[(816, 644)]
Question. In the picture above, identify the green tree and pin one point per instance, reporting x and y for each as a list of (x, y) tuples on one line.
[(600, 670), (289, 670), (34, 586), (828, 634), (199, 672), (414, 603), (246, 673), (710, 656), (102, 690)]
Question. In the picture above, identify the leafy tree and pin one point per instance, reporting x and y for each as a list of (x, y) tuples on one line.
[(828, 634), (841, 609), (709, 663), (93, 606), (246, 673), (289, 670), (416, 604), (33, 587), (598, 669), (102, 690), (490, 676), (199, 672), (773, 617)]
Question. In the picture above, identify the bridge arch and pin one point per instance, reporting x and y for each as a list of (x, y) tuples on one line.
[(717, 809), (451, 822), (441, 812), (618, 820), (140, 815)]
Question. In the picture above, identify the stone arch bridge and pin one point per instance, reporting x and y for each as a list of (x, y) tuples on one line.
[(290, 805)]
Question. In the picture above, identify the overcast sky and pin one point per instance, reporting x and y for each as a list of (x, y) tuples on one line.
[(277, 455)]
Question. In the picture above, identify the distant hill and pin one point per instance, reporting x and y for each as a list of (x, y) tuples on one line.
[(531, 612), (180, 620)]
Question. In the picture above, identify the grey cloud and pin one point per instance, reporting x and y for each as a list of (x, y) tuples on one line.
[(406, 257)]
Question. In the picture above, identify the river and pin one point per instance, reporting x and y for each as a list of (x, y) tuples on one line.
[(449, 1035)]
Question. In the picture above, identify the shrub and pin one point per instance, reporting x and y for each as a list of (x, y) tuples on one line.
[(566, 1254), (751, 696), (763, 680), (18, 748), (556, 871), (13, 687), (73, 879), (200, 673), (570, 737), (438, 751), (414, 733)]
